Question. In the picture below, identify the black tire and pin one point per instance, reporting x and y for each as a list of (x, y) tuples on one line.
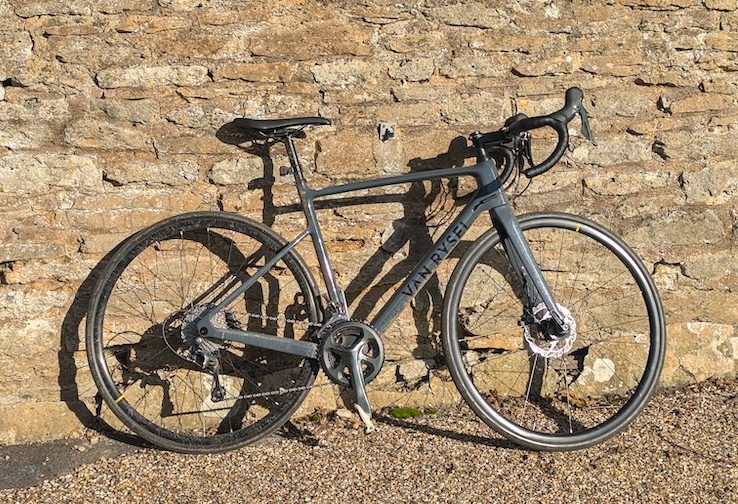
[(598, 385), (139, 348)]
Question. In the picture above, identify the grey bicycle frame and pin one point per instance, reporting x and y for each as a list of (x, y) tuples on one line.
[(489, 196)]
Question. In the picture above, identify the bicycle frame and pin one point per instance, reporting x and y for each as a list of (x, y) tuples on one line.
[(489, 197)]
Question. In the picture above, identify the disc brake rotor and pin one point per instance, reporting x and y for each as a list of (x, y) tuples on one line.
[(551, 348)]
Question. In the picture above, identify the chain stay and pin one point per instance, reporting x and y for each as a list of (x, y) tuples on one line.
[(281, 390)]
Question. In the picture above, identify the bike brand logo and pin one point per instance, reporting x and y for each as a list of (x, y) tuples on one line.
[(444, 248)]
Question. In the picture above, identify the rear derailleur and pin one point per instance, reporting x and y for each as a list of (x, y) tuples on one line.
[(207, 356)]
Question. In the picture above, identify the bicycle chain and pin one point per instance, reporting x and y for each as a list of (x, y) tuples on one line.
[(278, 319), (281, 391)]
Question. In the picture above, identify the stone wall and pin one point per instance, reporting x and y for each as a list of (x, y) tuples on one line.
[(109, 109)]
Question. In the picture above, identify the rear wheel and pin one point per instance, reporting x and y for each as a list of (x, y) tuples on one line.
[(579, 390), (168, 385)]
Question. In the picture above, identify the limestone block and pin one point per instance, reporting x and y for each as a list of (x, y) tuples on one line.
[(414, 37), (237, 171), (186, 5), (94, 52), (24, 106), (714, 184), (698, 351), (413, 70), (713, 270), (256, 72), (722, 41), (144, 76), (413, 370), (205, 44), (62, 26), (479, 109), (723, 5), (62, 269), (614, 150), (189, 144), (135, 23), (15, 50), (471, 14), (312, 39), (134, 111), (157, 172), (702, 102), (660, 4), (42, 421), (52, 7), (626, 181), (547, 64), (27, 173), (477, 64), (623, 102), (679, 227), (345, 73), (94, 134), (194, 116), (346, 154), (28, 304), (698, 143)]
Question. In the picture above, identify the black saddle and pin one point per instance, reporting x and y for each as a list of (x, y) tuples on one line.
[(277, 126)]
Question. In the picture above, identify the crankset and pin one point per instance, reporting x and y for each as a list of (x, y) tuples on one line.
[(352, 354)]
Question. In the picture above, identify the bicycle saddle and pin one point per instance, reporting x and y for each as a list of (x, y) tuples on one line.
[(268, 125)]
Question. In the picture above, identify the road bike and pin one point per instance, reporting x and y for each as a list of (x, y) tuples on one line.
[(206, 331)]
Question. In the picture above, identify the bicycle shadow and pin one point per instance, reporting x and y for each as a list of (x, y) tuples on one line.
[(492, 442), (410, 231), (69, 371)]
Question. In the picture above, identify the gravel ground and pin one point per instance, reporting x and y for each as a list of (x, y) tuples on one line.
[(683, 448)]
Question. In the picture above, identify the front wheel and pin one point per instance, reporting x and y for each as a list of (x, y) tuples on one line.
[(579, 390)]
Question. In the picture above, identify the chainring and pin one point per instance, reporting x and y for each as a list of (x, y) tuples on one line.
[(336, 346)]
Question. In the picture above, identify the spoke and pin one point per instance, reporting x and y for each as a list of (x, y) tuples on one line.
[(598, 288), (558, 264), (637, 319), (567, 392), (579, 268), (530, 383)]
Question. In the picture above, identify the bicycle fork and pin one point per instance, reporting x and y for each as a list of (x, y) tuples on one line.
[(527, 269)]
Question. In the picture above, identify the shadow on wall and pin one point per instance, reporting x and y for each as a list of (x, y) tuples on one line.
[(71, 337), (410, 230)]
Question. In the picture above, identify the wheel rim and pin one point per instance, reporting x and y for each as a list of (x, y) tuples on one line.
[(140, 348), (593, 390)]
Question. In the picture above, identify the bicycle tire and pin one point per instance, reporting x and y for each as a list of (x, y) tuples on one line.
[(137, 336), (564, 403)]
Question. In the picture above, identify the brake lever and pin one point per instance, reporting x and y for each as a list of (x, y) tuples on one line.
[(527, 149), (584, 118)]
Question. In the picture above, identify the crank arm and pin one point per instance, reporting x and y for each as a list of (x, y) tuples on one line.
[(362, 401)]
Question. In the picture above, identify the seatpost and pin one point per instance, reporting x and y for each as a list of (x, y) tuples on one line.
[(295, 162)]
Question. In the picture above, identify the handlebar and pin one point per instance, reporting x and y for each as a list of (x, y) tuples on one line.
[(540, 122), (558, 120)]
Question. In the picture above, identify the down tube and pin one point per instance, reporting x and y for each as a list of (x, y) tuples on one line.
[(427, 266)]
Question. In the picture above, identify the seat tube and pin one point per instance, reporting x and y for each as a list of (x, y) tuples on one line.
[(335, 294)]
